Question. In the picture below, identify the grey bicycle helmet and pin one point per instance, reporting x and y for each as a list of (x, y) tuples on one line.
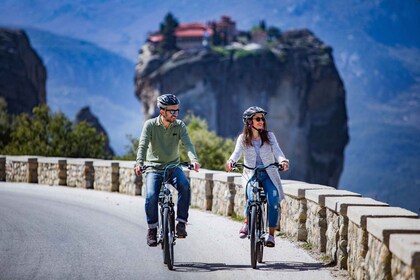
[(166, 100), (251, 111)]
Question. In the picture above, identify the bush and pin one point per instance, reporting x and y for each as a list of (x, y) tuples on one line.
[(52, 134), (212, 150)]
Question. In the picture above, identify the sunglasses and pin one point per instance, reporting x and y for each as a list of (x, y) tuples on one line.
[(173, 112), (258, 119)]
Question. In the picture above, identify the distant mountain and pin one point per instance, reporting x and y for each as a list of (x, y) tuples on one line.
[(81, 74)]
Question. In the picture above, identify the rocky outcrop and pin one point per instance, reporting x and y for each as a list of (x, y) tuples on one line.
[(86, 115), (22, 73), (295, 80)]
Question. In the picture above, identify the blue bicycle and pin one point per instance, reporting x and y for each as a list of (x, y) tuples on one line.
[(257, 214), (166, 228)]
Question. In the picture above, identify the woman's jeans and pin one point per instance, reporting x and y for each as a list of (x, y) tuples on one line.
[(180, 182), (272, 195)]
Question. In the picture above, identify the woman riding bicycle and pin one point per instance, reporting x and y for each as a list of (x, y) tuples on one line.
[(260, 147)]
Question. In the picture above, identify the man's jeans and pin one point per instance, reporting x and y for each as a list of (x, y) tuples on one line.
[(177, 179), (272, 195)]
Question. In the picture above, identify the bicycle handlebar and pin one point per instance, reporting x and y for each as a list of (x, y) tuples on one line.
[(185, 164), (235, 165)]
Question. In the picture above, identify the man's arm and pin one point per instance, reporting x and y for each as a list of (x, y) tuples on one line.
[(186, 141), (143, 144)]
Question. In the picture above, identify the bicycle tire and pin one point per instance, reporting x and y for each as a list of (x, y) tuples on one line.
[(171, 238), (253, 236), (263, 224), (166, 255), (260, 244)]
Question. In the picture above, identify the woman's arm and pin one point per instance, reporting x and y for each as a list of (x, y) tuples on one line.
[(237, 153), (278, 153)]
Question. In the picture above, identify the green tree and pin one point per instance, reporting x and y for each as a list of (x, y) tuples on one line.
[(273, 33), (262, 25), (86, 142), (5, 124), (47, 134), (167, 28), (131, 148), (212, 151)]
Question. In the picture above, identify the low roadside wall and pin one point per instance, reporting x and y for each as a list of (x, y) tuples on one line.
[(368, 238)]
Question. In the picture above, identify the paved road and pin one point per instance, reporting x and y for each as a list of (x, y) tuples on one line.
[(66, 233)]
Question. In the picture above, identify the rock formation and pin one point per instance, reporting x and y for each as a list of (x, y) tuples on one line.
[(22, 73), (86, 115), (295, 80)]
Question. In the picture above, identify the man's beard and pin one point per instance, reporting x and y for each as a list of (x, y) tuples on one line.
[(169, 119)]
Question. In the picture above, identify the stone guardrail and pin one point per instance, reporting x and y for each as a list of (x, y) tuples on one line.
[(368, 238)]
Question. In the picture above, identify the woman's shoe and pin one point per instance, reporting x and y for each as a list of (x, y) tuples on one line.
[(243, 232), (270, 241)]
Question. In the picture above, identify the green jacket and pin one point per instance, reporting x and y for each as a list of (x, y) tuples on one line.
[(159, 146)]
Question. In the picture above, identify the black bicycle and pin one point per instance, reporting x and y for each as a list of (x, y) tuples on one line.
[(257, 214), (166, 228)]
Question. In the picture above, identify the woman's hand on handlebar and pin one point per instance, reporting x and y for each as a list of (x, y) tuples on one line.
[(284, 166), (229, 165)]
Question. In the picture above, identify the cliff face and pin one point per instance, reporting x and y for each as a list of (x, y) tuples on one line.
[(86, 115), (296, 81), (22, 73)]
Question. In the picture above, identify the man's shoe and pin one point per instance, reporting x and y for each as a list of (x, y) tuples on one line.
[(243, 232), (270, 241), (151, 237), (180, 230)]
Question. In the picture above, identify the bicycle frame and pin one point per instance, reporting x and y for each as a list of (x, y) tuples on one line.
[(257, 213), (166, 223)]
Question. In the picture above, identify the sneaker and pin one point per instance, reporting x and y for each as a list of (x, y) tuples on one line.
[(151, 237), (270, 241), (180, 230), (243, 232)]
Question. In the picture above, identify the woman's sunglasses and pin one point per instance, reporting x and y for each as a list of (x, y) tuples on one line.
[(258, 119)]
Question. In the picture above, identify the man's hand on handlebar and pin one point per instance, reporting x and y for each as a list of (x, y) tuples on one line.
[(138, 170), (196, 166)]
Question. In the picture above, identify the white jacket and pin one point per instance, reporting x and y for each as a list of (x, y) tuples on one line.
[(269, 153)]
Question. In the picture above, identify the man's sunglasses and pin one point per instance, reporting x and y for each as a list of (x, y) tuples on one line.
[(173, 112), (258, 119)]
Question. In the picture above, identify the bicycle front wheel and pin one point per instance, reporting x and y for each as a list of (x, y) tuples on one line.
[(253, 236), (166, 240), (171, 238)]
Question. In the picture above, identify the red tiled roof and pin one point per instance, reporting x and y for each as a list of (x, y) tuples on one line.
[(186, 30), (192, 33), (194, 25), (155, 38)]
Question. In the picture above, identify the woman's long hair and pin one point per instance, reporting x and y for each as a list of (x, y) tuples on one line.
[(247, 133)]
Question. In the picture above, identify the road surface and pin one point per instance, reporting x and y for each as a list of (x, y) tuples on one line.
[(51, 232)]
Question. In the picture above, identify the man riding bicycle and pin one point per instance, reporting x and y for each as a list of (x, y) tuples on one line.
[(260, 147), (158, 147)]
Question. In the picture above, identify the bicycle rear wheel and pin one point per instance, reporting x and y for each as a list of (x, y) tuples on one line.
[(166, 240), (261, 232), (260, 244), (253, 236)]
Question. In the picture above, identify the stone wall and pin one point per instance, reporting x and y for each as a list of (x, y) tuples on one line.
[(369, 238)]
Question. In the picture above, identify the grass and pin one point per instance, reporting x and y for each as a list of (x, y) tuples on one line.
[(237, 218), (307, 246)]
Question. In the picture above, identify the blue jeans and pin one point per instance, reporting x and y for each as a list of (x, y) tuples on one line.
[(272, 195), (177, 179)]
